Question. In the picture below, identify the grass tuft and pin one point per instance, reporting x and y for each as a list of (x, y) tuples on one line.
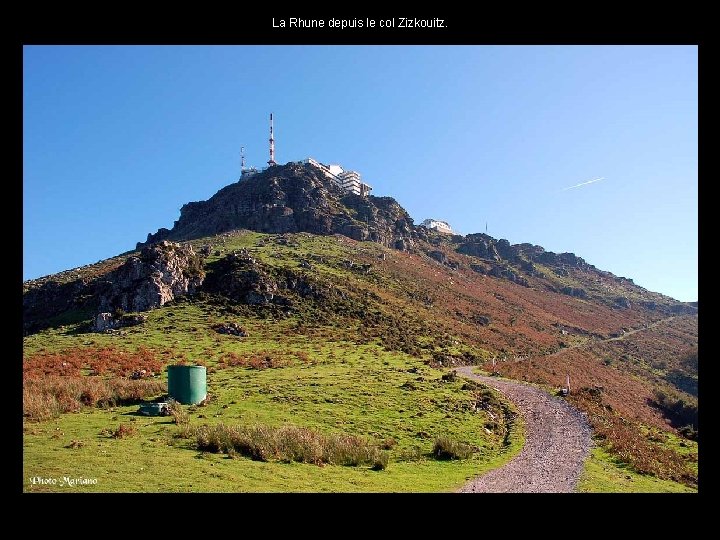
[(446, 449), (288, 444)]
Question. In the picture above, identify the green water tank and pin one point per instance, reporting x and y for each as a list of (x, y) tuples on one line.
[(187, 384)]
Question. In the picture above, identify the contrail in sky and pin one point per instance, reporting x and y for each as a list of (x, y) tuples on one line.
[(584, 183)]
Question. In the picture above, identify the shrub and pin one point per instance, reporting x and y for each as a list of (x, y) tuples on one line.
[(689, 432), (381, 462), (124, 430), (675, 408), (450, 377), (446, 448), (180, 415), (70, 362), (388, 443)]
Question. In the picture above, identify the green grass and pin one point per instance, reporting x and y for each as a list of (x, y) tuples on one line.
[(148, 463), (342, 387), (347, 385), (603, 474)]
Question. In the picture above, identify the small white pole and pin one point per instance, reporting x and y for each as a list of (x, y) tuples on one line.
[(568, 383)]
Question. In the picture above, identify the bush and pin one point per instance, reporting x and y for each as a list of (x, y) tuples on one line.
[(381, 462), (689, 432), (180, 415), (124, 430), (676, 409), (446, 448), (624, 439), (450, 377)]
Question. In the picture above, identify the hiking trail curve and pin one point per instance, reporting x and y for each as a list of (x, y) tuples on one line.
[(557, 442)]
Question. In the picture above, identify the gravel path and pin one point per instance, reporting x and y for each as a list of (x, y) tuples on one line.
[(557, 441)]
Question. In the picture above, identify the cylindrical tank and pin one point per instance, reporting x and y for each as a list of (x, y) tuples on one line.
[(187, 384)]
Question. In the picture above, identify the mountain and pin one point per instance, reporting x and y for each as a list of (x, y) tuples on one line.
[(336, 311)]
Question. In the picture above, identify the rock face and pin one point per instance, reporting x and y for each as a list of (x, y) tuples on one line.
[(500, 255), (488, 248), (622, 303), (293, 198), (160, 274), (499, 271)]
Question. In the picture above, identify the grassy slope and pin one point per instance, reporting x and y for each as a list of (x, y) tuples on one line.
[(351, 384), (605, 475), (346, 388)]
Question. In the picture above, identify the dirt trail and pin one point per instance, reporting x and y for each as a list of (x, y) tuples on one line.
[(557, 441), (621, 337)]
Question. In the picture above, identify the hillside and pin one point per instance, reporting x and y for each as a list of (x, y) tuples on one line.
[(351, 315)]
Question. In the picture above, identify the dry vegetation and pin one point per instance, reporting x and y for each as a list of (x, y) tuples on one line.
[(54, 383)]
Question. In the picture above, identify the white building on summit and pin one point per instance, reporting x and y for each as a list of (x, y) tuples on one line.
[(437, 225), (350, 181)]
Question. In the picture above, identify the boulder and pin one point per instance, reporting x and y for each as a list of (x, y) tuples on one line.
[(108, 321), (103, 322)]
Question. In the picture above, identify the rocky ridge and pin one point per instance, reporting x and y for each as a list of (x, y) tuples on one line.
[(292, 198), (158, 274)]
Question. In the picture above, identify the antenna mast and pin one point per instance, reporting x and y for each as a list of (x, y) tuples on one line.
[(242, 159), (271, 162)]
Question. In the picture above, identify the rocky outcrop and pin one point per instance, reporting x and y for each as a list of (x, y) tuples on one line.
[(241, 278), (488, 248), (230, 328), (108, 321), (683, 309), (161, 273), (479, 245), (521, 257), (293, 198), (622, 303), (574, 291), (506, 273)]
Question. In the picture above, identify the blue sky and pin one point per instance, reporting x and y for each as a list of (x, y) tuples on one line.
[(117, 138)]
